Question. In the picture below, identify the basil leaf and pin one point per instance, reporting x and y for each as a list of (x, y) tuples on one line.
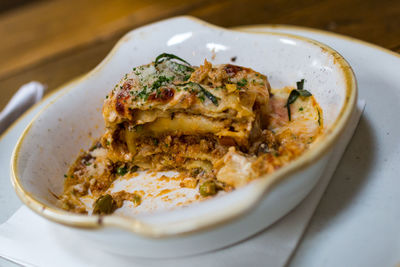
[(304, 92), (319, 117), (164, 56), (294, 94), (300, 84), (204, 92), (210, 96)]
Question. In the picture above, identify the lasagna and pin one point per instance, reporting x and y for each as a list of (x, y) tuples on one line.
[(219, 126)]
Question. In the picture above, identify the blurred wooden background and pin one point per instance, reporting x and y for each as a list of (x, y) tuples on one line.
[(55, 41)]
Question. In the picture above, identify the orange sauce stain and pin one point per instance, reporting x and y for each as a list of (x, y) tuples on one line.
[(164, 178), (166, 199), (163, 192), (151, 174)]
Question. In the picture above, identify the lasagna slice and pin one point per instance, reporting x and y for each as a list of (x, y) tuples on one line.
[(219, 126), (170, 115)]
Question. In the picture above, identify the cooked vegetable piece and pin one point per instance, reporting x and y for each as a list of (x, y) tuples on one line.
[(121, 171), (104, 205), (208, 188)]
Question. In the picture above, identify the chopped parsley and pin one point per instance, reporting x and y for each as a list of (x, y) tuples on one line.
[(143, 94), (242, 82)]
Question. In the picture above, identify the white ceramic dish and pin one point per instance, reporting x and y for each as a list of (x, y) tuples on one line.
[(57, 134)]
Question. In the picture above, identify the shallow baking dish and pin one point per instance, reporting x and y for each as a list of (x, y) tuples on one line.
[(56, 135)]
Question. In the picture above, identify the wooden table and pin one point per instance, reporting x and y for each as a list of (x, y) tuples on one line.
[(55, 41)]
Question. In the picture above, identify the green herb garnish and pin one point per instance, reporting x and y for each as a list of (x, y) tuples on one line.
[(319, 117), (165, 56), (300, 84), (202, 92), (294, 94), (159, 82), (155, 141), (134, 169), (242, 82)]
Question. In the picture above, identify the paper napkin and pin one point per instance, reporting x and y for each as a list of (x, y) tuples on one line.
[(23, 99), (28, 239)]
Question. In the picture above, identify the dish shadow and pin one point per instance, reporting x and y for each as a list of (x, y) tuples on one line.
[(346, 182), (350, 175)]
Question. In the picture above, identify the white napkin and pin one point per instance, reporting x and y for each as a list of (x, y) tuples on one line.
[(27, 239), (23, 99)]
